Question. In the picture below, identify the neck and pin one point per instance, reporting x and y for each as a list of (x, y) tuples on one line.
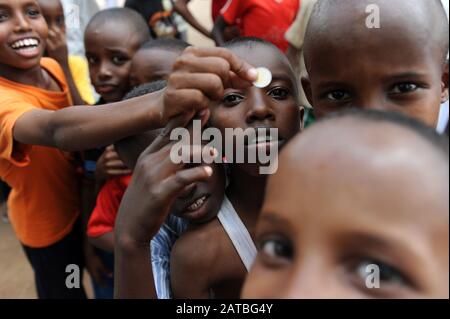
[(33, 77), (246, 192)]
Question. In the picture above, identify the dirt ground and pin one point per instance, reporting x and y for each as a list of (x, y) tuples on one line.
[(16, 276)]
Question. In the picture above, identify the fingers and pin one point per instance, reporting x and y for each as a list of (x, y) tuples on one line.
[(237, 65), (209, 83), (177, 182)]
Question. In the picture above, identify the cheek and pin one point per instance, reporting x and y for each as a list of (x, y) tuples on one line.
[(262, 283), (41, 28)]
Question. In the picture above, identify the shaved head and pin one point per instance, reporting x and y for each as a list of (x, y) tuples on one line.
[(334, 21)]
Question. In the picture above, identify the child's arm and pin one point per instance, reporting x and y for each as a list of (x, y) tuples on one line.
[(218, 30), (57, 49), (140, 217), (181, 7), (105, 241), (202, 74)]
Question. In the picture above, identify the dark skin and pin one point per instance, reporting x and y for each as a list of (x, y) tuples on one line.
[(81, 127), (222, 32), (412, 79), (149, 65), (56, 42), (109, 55), (313, 251), (199, 73), (214, 264), (181, 7)]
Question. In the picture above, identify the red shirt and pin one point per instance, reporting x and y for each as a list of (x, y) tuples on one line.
[(103, 218), (217, 5), (265, 19)]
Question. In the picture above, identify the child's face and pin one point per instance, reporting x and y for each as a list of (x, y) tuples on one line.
[(23, 33), (201, 202), (151, 65), (392, 68), (53, 13), (328, 215), (275, 106), (109, 50)]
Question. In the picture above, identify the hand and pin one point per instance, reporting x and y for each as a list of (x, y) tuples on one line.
[(199, 76), (156, 183), (57, 46), (109, 165), (95, 266)]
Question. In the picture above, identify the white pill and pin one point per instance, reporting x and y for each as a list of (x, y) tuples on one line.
[(264, 78)]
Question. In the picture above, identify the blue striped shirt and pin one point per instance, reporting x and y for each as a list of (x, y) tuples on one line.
[(161, 247)]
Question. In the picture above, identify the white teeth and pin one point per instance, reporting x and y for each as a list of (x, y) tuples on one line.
[(262, 139), (197, 204), (25, 43)]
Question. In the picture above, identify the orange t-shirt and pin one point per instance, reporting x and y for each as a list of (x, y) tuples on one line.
[(44, 202)]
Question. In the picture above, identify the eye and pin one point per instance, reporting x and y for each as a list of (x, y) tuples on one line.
[(279, 93), (276, 249), (60, 21), (3, 16), (388, 275), (404, 88), (33, 12), (92, 60), (338, 95), (119, 59), (232, 99)]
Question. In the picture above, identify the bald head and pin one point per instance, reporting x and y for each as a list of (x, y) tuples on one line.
[(344, 21)]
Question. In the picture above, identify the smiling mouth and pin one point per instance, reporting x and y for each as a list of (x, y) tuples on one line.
[(24, 45), (197, 204)]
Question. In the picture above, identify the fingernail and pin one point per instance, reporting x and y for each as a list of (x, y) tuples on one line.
[(214, 153), (208, 170), (253, 73)]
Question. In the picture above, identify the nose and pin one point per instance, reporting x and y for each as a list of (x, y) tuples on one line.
[(259, 108), (22, 24), (373, 101), (104, 72)]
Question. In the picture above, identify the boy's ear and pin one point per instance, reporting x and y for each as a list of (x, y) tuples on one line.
[(302, 117), (306, 84), (444, 92)]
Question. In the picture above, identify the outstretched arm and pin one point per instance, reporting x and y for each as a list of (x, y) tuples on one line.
[(181, 7)]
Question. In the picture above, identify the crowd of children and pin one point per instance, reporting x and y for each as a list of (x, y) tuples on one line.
[(93, 183)]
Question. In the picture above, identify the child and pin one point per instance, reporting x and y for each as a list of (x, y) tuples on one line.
[(53, 13), (397, 67), (275, 106), (265, 19), (154, 60), (34, 116), (112, 38), (382, 231)]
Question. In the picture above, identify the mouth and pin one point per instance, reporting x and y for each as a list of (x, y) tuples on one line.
[(196, 209), (263, 139), (27, 47), (105, 88)]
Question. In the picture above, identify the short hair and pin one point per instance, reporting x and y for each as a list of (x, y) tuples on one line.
[(146, 88), (166, 44), (439, 142), (122, 16), (433, 9)]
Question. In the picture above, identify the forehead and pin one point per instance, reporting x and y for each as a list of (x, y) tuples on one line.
[(375, 182), (113, 35), (259, 55), (17, 3), (345, 45), (51, 6)]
